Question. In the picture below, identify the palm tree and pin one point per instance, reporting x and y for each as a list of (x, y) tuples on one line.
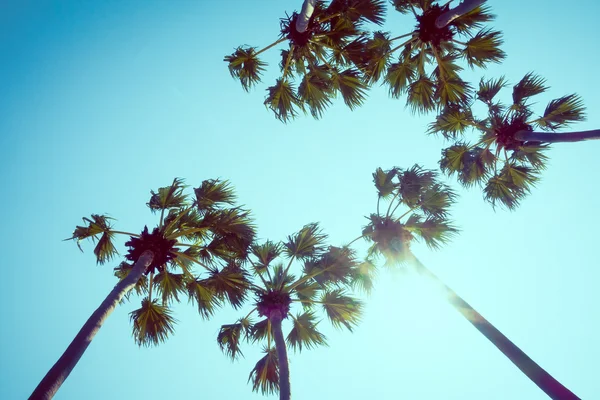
[(316, 58), (206, 231), (322, 281), (460, 36), (418, 210), (509, 154)]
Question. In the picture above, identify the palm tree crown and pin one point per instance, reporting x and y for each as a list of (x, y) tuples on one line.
[(507, 158), (199, 247), (316, 60), (428, 44), (322, 282)]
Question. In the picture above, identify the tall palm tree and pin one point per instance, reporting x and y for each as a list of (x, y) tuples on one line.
[(418, 210), (323, 280), (430, 44), (315, 59), (197, 248), (509, 153)]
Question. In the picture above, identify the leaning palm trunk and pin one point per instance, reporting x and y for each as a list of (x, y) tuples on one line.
[(48, 387), (282, 358), (462, 8), (308, 7), (550, 137), (537, 374)]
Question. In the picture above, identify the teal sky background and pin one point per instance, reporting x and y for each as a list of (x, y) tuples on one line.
[(103, 101)]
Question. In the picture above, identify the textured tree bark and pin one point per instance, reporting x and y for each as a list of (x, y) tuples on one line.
[(551, 137), (50, 384), (453, 13), (284, 368), (308, 7), (534, 372)]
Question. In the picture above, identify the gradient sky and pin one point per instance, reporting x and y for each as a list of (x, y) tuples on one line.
[(103, 101)]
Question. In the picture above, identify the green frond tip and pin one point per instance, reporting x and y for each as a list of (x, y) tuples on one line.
[(350, 85), (335, 266), (265, 374), (169, 286), (98, 225), (470, 164), (527, 87), (305, 333), (421, 95), (404, 6), (359, 11), (474, 19), (384, 182), (363, 276), (283, 101), (488, 89), (245, 65), (484, 48), (203, 295), (399, 75), (316, 91), (168, 197), (562, 112), (152, 323), (213, 193), (341, 309), (230, 336), (308, 242), (229, 284), (266, 253), (510, 185), (452, 121), (434, 231)]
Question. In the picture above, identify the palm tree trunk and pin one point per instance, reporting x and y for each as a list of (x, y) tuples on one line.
[(48, 387), (452, 14), (284, 368), (537, 374), (551, 137), (308, 7)]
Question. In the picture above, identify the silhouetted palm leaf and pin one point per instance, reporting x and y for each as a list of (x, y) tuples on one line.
[(168, 197), (350, 86), (305, 333), (203, 295), (229, 338), (246, 66), (384, 182), (152, 323), (561, 112), (398, 77), (529, 86), (265, 374), (341, 309), (421, 95), (229, 283), (483, 48), (316, 91), (283, 100), (169, 286), (363, 276), (307, 242), (213, 193), (98, 225)]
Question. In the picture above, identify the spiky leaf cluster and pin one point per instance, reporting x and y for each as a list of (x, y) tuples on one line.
[(322, 283), (200, 246), (504, 160), (427, 68), (415, 206), (317, 65)]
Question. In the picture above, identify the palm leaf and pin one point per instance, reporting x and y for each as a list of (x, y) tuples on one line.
[(203, 295), (282, 100), (404, 6), (501, 188), (529, 86), (531, 154), (341, 309), (399, 76), (265, 374), (260, 330), (245, 65), (266, 252), (229, 283), (378, 51), (452, 91), (561, 112), (413, 182), (421, 97), (488, 89), (212, 193), (316, 91), (434, 231), (307, 242), (152, 323), (452, 121), (307, 292), (360, 10), (436, 200), (384, 182), (474, 19), (363, 276), (334, 266), (169, 286), (98, 225), (229, 338), (350, 85), (168, 197), (483, 48), (305, 333)]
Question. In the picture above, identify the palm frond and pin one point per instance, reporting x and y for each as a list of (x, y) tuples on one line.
[(359, 11), (471, 164), (246, 66), (229, 338), (260, 330), (532, 154), (527, 87), (436, 200), (452, 121), (265, 374), (316, 91), (307, 242), (350, 86), (363, 276), (152, 323), (510, 186), (169, 286), (342, 309), (203, 295), (391, 239), (229, 284), (434, 231), (98, 225), (404, 6), (384, 182), (474, 19), (484, 48), (562, 112), (266, 252), (307, 292), (378, 54), (332, 267), (413, 182), (213, 193), (421, 95), (168, 197), (399, 76), (282, 100), (488, 89), (305, 333), (452, 91)]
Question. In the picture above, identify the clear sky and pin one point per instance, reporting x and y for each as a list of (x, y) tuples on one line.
[(103, 101)]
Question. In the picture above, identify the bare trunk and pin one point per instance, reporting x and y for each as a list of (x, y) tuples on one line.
[(551, 137), (452, 14), (534, 372), (284, 368), (48, 387), (308, 7)]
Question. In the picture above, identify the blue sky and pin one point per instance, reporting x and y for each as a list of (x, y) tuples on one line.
[(102, 102)]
